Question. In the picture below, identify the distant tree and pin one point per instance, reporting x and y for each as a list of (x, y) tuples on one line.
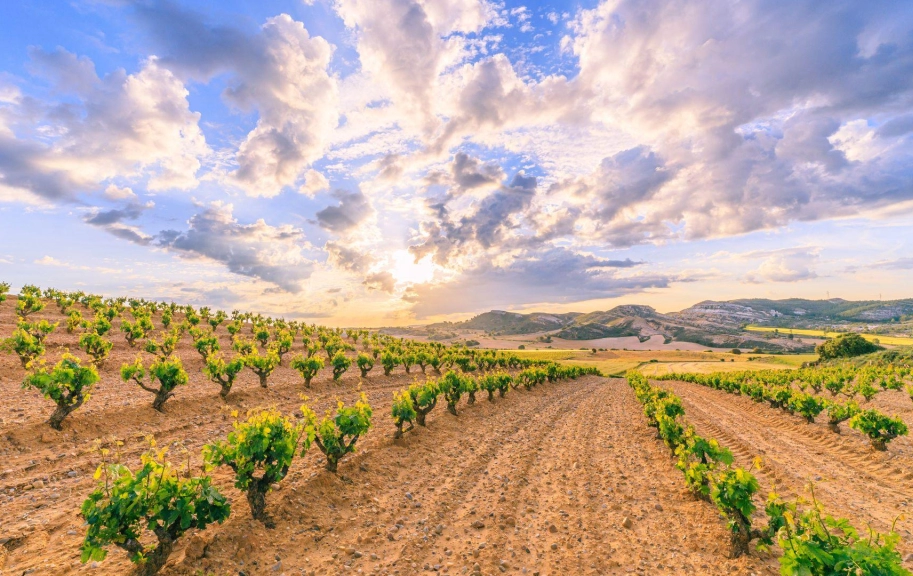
[(846, 346), (735, 351)]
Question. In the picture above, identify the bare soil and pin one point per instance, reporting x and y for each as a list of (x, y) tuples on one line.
[(539, 482), (850, 479)]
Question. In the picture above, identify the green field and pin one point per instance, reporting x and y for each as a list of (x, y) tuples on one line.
[(890, 340), (656, 362)]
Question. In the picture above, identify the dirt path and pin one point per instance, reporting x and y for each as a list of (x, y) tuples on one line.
[(851, 479)]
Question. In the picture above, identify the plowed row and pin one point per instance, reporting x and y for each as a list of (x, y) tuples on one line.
[(850, 479)]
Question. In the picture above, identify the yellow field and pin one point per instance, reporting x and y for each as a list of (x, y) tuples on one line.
[(890, 340), (655, 362)]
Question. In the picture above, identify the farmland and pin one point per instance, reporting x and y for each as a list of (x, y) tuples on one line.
[(532, 461), (656, 362), (877, 338)]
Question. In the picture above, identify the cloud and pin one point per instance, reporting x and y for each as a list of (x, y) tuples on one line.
[(258, 250), (347, 258), (352, 210), (785, 266), (546, 276), (750, 102), (113, 192), (406, 44), (621, 181), (469, 172), (485, 227), (314, 182), (281, 72), (126, 126), (382, 281)]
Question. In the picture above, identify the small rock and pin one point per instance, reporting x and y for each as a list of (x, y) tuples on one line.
[(277, 566), (627, 523), (478, 524), (659, 508), (552, 528)]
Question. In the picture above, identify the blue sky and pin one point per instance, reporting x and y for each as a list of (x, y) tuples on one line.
[(384, 162)]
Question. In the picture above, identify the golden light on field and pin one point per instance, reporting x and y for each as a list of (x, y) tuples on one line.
[(406, 270)]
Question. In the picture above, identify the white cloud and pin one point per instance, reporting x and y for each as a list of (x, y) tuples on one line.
[(126, 126), (314, 182)]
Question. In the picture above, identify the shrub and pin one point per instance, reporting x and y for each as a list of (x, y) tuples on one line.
[(814, 543), (156, 499), (837, 413), (452, 386), (243, 346), (283, 343), (422, 359), (806, 405), (137, 330), (389, 361), (470, 387), (28, 303), (879, 428), (698, 457), (222, 373), (531, 377), (407, 360), (39, 330), (341, 363), (365, 363), (4, 290), (96, 346), (865, 389), (732, 491), (24, 345), (260, 451), (68, 384), (403, 412), (164, 348), (261, 364), (74, 321), (168, 372), (206, 345), (489, 383), (846, 346), (336, 436), (424, 399), (308, 367), (167, 317)]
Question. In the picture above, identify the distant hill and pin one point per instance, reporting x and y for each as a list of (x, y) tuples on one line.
[(710, 323), (499, 322)]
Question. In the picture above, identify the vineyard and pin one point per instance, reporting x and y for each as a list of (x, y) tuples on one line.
[(153, 438)]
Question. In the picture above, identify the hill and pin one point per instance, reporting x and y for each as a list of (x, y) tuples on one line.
[(499, 322), (709, 323)]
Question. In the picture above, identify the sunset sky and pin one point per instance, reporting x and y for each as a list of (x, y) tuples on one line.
[(384, 162)]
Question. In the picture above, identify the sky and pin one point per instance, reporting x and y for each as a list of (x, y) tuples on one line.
[(390, 162)]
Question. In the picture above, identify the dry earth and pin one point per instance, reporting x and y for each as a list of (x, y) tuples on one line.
[(850, 478), (539, 482)]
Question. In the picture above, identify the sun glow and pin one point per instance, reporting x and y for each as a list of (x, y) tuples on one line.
[(407, 271)]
